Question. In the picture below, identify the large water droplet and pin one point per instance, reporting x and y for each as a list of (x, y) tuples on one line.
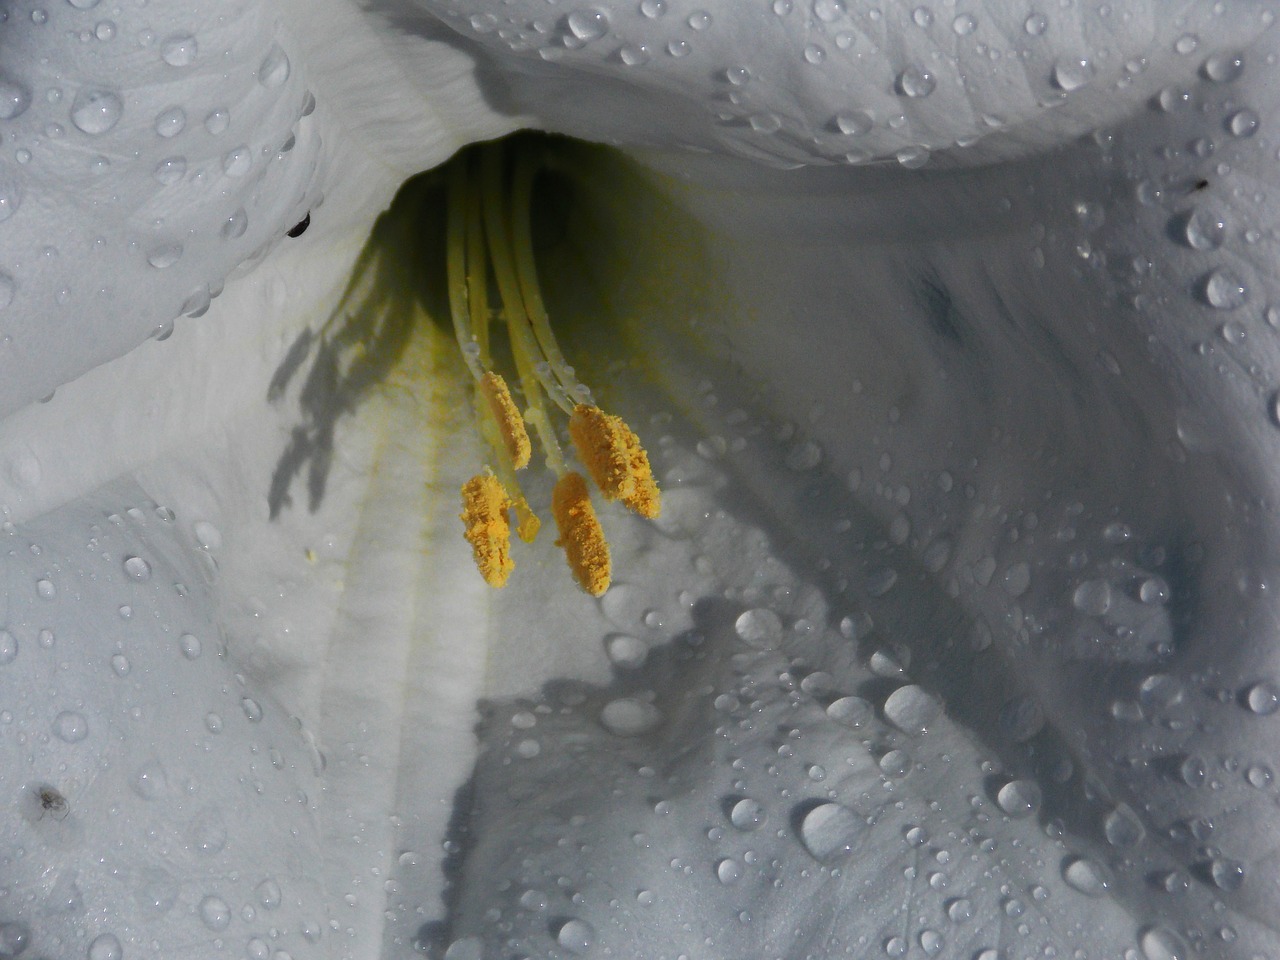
[(1204, 229), (1161, 943), (1092, 597), (179, 50), (1019, 798), (747, 814), (1224, 67), (728, 871), (1243, 123), (910, 709), (1122, 828), (576, 936), (95, 110), (830, 831), (916, 82), (1227, 874), (1263, 698), (854, 123), (165, 255), (759, 627), (851, 711), (1086, 876), (14, 98), (215, 913), (587, 24), (828, 11), (171, 122), (105, 946), (274, 69), (1224, 290), (137, 569), (626, 651), (70, 726), (629, 717), (1071, 73)]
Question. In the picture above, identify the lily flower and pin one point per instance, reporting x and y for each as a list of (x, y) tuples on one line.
[(948, 333)]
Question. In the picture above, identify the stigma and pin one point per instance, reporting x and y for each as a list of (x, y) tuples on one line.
[(490, 260)]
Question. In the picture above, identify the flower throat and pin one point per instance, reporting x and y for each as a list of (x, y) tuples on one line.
[(489, 248)]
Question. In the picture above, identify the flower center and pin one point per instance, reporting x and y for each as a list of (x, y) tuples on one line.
[(489, 248)]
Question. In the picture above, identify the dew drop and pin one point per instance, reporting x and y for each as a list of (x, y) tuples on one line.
[(1036, 24), (237, 162), (747, 814), (1086, 876), (252, 710), (96, 110), (759, 627), (576, 936), (1071, 73), (854, 123), (170, 170), (8, 647), (1122, 828), (588, 23), (626, 651), (728, 871), (915, 82), (136, 568), (269, 894), (1243, 123), (1224, 290), (964, 25), (165, 255), (1224, 67), (1092, 597), (70, 726), (235, 225), (190, 646), (15, 937), (1161, 943), (851, 712), (1227, 874), (1262, 698), (120, 665), (1019, 798), (14, 98), (171, 122), (911, 709), (830, 831), (828, 11), (274, 69), (215, 913), (179, 50), (629, 717), (105, 946)]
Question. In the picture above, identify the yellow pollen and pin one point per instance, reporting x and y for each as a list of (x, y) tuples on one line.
[(507, 415), (615, 458), (580, 534), (487, 527)]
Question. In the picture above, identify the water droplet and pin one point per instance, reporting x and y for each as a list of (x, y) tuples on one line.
[(1224, 290), (170, 170), (1122, 828), (1263, 698), (1036, 24), (1203, 229), (8, 647), (747, 814), (895, 947), (818, 684), (932, 942), (653, 9), (45, 589), (895, 763), (1086, 876), (215, 913), (235, 225), (964, 25), (189, 645), (634, 55), (120, 665), (179, 50), (1017, 579), (274, 69), (759, 627), (916, 82), (105, 946), (165, 255), (830, 831), (1161, 943), (854, 123), (237, 162), (269, 894), (960, 910), (70, 726), (728, 871), (587, 24), (1224, 67), (1259, 775), (15, 937), (1071, 73), (251, 709), (576, 936), (151, 782), (626, 651), (1186, 44), (629, 717), (1227, 874), (851, 711), (137, 569), (1243, 123), (465, 948), (96, 110), (1019, 798), (828, 11), (910, 709), (14, 98), (1092, 597), (171, 122), (1192, 770)]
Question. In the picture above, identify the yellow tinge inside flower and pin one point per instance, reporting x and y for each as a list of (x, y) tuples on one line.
[(489, 241)]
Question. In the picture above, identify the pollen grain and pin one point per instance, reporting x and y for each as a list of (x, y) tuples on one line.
[(616, 460), (515, 437)]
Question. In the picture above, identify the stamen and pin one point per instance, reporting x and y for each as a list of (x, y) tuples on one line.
[(515, 438), (617, 462), (580, 535), (487, 527)]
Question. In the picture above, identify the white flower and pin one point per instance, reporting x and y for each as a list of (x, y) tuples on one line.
[(949, 332)]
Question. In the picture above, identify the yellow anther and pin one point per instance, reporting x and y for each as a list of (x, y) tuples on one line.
[(615, 458), (580, 534), (527, 522), (507, 415), (487, 527)]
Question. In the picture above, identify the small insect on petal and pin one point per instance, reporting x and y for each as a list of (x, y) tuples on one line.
[(299, 228), (581, 537), (487, 527), (616, 460), (507, 415)]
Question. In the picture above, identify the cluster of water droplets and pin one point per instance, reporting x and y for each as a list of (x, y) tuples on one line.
[(137, 141)]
